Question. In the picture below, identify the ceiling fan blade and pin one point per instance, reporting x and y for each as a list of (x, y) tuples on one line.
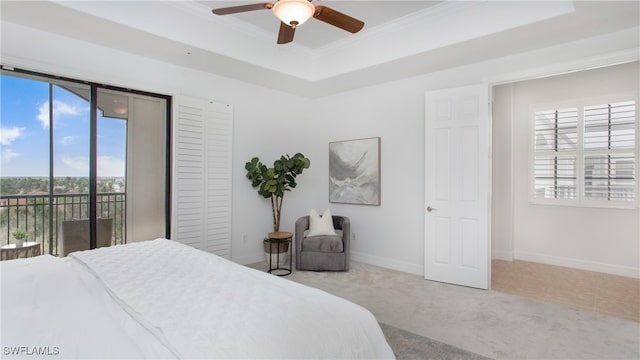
[(338, 19), (286, 33), (242, 8)]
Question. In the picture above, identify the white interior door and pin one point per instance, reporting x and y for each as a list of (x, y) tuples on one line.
[(457, 186)]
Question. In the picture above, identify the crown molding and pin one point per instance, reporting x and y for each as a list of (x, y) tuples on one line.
[(203, 12), (407, 21), (439, 26), (191, 25)]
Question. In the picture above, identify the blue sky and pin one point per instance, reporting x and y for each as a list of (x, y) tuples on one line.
[(24, 132)]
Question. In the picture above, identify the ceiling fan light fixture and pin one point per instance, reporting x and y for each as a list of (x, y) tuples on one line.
[(293, 12)]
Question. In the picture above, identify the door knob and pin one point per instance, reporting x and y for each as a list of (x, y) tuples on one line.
[(430, 209)]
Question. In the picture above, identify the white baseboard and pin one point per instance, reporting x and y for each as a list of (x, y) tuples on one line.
[(388, 263), (613, 269), (626, 271), (356, 256), (503, 255)]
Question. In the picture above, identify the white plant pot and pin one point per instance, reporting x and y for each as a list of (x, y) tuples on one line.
[(19, 243)]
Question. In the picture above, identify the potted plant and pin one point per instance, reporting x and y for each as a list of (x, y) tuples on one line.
[(19, 235), (273, 182)]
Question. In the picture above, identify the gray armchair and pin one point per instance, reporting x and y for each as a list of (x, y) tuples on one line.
[(323, 252)]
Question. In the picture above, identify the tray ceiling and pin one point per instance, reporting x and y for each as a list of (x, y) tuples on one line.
[(400, 38)]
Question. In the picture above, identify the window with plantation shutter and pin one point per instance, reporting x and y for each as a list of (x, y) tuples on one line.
[(586, 154), (609, 152), (556, 133)]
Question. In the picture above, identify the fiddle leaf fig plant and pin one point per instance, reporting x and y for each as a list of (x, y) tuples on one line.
[(273, 182)]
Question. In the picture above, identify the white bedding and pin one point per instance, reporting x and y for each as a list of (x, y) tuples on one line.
[(53, 308), (162, 299)]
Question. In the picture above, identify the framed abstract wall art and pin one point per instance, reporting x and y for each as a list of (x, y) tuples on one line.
[(354, 171)]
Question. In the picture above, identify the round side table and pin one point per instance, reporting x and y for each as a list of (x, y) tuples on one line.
[(280, 238), (11, 251)]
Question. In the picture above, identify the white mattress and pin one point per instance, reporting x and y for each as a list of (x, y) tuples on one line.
[(160, 298)]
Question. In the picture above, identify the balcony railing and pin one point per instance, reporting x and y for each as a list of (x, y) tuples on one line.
[(33, 214)]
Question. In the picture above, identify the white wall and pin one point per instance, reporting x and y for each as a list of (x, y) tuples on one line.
[(268, 123), (599, 239)]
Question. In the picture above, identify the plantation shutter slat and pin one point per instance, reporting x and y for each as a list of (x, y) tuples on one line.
[(202, 175)]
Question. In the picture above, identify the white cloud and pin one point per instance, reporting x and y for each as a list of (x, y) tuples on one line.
[(59, 109), (80, 164), (8, 135), (107, 165), (68, 140), (43, 115), (7, 154)]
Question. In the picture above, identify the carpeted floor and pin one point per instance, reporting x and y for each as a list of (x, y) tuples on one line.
[(488, 323), (410, 346)]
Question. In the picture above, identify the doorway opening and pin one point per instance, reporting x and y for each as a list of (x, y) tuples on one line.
[(572, 240)]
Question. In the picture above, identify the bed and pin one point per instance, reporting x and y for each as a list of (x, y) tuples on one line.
[(161, 299)]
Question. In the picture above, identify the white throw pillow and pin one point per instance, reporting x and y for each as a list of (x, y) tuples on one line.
[(320, 225)]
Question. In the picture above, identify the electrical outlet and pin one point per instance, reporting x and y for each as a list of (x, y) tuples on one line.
[(244, 238), (353, 236)]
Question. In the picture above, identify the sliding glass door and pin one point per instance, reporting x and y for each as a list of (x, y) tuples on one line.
[(82, 165)]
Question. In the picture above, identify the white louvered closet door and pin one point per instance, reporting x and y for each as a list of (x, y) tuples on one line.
[(201, 195)]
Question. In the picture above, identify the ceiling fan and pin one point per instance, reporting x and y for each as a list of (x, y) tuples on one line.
[(293, 13)]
